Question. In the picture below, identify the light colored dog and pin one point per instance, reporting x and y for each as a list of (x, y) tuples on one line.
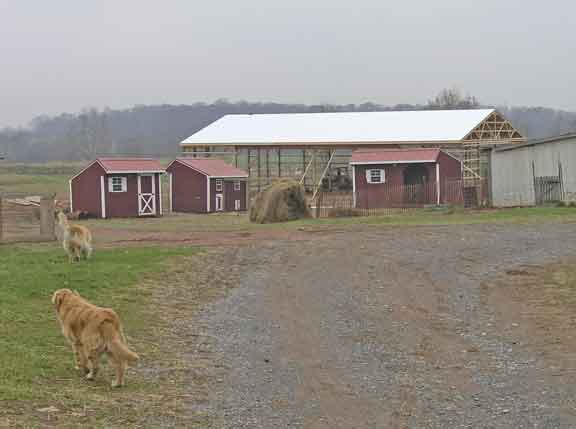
[(92, 331), (76, 239)]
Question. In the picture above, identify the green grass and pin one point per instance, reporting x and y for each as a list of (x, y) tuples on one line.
[(34, 184), (524, 215), (35, 361), (234, 223)]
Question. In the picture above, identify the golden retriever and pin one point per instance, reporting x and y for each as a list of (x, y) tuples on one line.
[(76, 239), (92, 331)]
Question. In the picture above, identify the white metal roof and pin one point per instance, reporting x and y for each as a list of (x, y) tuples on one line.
[(347, 127)]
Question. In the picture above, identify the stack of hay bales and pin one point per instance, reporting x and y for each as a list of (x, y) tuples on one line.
[(282, 201)]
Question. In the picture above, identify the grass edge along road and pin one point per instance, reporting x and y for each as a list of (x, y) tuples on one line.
[(36, 365)]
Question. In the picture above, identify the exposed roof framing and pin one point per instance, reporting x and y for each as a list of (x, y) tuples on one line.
[(494, 129)]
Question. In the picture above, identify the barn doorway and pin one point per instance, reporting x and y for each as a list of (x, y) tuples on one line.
[(415, 181)]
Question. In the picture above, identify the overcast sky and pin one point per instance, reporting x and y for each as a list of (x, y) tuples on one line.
[(62, 55)]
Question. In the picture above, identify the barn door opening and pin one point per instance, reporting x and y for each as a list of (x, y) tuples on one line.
[(146, 195), (415, 180)]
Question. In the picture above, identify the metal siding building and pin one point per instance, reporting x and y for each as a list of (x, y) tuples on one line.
[(515, 171)]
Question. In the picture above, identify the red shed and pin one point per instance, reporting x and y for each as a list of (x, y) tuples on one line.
[(205, 185), (118, 187), (404, 177)]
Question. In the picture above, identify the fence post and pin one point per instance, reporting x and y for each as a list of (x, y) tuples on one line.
[(318, 204), (47, 218)]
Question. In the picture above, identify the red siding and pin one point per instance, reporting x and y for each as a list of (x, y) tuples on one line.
[(450, 168), (229, 195), (86, 191), (393, 194), (123, 204), (188, 189)]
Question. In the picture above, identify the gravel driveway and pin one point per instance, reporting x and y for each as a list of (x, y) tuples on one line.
[(382, 328)]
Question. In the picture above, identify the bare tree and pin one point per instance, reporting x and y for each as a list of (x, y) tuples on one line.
[(451, 98)]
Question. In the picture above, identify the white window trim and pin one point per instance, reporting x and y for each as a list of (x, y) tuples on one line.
[(237, 185), (369, 176), (123, 184), (237, 205), (219, 185)]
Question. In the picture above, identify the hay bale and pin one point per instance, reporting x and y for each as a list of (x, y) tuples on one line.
[(282, 201)]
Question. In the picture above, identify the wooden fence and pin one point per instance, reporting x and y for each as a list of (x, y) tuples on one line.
[(395, 199), (26, 219)]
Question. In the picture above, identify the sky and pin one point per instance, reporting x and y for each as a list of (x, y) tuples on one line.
[(65, 55)]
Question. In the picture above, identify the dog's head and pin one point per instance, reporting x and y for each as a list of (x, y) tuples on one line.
[(61, 216), (61, 295)]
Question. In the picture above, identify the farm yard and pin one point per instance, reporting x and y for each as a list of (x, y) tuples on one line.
[(430, 318), (339, 323)]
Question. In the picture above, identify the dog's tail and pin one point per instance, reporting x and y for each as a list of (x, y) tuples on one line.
[(115, 344), (118, 348)]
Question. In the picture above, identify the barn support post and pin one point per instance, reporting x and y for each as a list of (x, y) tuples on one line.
[(250, 179), (47, 217), (259, 171), (279, 162), (267, 167), (304, 168)]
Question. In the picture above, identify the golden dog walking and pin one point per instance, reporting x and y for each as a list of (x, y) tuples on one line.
[(76, 239), (92, 331)]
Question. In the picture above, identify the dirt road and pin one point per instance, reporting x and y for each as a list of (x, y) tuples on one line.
[(386, 328)]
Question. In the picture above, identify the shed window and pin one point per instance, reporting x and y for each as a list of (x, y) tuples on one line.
[(237, 185), (219, 185), (117, 184), (375, 176), (237, 205)]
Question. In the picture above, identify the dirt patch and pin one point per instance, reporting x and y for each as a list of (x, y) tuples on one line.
[(539, 303)]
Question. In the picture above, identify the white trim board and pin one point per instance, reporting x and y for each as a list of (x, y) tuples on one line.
[(208, 196), (70, 190), (102, 198)]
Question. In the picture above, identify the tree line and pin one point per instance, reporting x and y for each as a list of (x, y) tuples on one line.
[(157, 129)]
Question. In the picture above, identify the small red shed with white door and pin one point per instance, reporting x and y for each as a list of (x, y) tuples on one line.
[(118, 187), (384, 178), (206, 185)]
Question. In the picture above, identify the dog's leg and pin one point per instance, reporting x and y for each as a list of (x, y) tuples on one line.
[(81, 361), (120, 366), (92, 364)]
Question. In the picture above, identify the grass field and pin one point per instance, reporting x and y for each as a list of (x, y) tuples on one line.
[(36, 366)]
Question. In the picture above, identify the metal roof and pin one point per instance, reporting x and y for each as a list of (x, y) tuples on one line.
[(394, 156), (340, 128), (130, 165), (553, 139), (212, 167)]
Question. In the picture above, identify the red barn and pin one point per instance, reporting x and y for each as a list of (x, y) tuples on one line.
[(205, 185), (404, 177), (118, 187)]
